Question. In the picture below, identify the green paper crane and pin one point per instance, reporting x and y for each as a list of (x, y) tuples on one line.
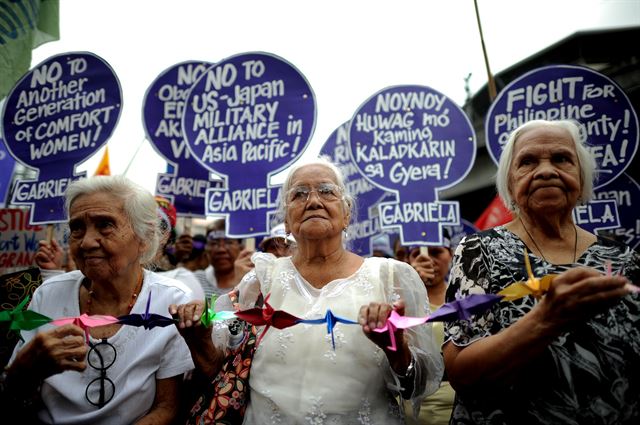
[(25, 320), (209, 316)]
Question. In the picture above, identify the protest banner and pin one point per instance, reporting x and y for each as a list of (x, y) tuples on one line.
[(247, 118), (624, 191), (19, 239), (365, 223), (413, 141), (7, 165), (163, 107), (55, 117), (604, 111)]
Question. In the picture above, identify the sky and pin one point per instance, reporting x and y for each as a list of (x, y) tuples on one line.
[(347, 50)]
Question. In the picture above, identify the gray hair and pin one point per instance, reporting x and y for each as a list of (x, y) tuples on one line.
[(139, 207), (348, 201), (586, 161)]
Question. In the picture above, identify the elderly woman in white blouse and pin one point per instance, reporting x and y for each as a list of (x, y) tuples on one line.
[(297, 376)]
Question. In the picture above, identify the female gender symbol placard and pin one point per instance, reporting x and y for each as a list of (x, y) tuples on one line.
[(413, 141), (366, 222), (56, 116), (625, 192), (247, 118), (578, 93), (163, 108)]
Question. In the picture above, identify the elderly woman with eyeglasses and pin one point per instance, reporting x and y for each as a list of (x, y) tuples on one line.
[(121, 374), (296, 375)]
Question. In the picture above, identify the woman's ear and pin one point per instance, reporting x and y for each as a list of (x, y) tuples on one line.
[(347, 220), (143, 247)]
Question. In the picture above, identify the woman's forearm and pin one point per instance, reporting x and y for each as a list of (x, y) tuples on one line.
[(503, 355), (165, 405), (207, 359)]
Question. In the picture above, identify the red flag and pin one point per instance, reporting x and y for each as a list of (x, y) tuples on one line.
[(103, 168), (495, 215)]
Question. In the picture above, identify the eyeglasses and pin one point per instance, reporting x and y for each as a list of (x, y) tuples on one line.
[(326, 191), (101, 357)]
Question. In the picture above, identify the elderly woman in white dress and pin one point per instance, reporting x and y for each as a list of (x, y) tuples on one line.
[(116, 374), (297, 376)]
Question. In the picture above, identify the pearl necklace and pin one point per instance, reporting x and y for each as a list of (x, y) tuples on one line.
[(134, 296), (575, 242)]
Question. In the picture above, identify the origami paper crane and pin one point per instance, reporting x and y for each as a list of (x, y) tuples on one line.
[(394, 322), (463, 308), (209, 316), (533, 286), (146, 319), (20, 319), (331, 320), (85, 322), (267, 317)]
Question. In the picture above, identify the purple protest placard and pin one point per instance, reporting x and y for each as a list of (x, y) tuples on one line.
[(366, 222), (247, 118), (7, 164), (569, 92), (625, 193), (414, 142), (597, 215), (162, 112), (582, 94), (56, 116)]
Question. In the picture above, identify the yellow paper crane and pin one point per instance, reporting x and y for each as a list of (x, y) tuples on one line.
[(533, 286)]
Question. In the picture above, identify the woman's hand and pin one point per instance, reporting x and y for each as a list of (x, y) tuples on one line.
[(49, 353), (207, 358), (189, 324), (578, 294), (375, 315), (243, 265), (49, 255), (425, 267)]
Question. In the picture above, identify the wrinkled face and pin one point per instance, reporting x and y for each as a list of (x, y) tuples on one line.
[(223, 253), (314, 204), (101, 240), (544, 176)]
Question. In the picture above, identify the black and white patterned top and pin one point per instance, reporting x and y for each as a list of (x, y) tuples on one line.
[(590, 375)]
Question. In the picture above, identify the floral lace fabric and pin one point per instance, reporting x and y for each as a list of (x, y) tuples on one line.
[(296, 375)]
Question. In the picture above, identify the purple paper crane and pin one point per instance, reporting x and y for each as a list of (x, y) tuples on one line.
[(146, 319)]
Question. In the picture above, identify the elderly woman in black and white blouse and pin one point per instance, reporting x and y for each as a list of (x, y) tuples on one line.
[(571, 356)]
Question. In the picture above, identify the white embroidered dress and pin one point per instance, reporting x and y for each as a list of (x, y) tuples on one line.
[(296, 375)]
